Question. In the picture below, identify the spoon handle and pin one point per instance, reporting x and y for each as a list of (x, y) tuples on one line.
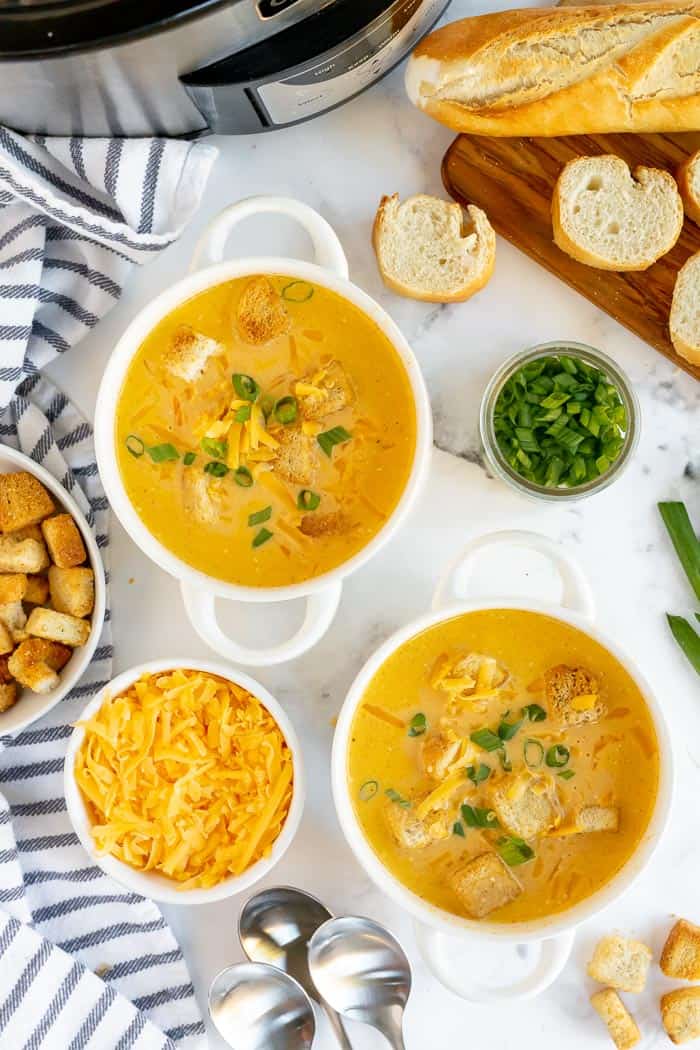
[(338, 1027)]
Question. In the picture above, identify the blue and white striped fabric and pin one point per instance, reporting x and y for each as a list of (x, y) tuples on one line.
[(86, 965)]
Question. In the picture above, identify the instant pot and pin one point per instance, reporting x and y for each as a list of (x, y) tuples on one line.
[(186, 67)]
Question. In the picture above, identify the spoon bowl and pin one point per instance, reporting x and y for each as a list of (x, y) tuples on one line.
[(258, 1007)]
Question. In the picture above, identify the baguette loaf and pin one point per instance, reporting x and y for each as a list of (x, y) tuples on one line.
[(563, 71)]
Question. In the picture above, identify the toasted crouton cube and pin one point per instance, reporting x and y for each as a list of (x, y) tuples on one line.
[(327, 391), (620, 1023), (409, 831), (197, 497), (8, 696), (332, 524), (524, 806), (35, 664), (598, 818), (28, 532), (23, 501), (37, 592), (7, 642), (680, 1014), (13, 587), (64, 541), (296, 457), (484, 884), (681, 952), (5, 675), (22, 555), (72, 590), (261, 314), (620, 962), (438, 752), (573, 695), (58, 627), (189, 353), (12, 614)]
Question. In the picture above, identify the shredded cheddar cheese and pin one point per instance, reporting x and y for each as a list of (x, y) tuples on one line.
[(185, 774)]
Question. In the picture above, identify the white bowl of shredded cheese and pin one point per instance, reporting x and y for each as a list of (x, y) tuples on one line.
[(184, 781)]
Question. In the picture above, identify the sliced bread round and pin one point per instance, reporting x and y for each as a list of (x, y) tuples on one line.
[(684, 322), (688, 177), (607, 217), (431, 249)]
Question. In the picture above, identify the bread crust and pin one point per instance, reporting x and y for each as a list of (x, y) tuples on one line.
[(606, 97), (691, 203), (687, 350)]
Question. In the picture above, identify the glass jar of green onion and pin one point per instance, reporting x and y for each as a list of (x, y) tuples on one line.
[(559, 421)]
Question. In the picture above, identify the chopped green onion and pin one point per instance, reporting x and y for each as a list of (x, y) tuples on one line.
[(242, 414), (533, 753), (163, 453), (267, 403), (215, 449), (216, 468), (476, 817), (557, 756), (260, 516), (243, 477), (418, 725), (514, 851), (687, 638), (368, 790), (335, 436), (533, 713), (566, 774), (189, 458), (308, 500), (457, 829), (397, 798), (286, 410), (479, 773), (683, 537), (297, 292), (135, 446), (507, 730), (486, 740), (506, 764), (262, 537), (245, 386)]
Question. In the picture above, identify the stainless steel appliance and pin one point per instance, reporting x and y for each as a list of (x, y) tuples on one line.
[(185, 67)]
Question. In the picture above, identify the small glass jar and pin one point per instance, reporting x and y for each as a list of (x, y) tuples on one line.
[(591, 356)]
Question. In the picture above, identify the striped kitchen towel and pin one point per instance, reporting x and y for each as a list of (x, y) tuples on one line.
[(62, 921), (75, 215)]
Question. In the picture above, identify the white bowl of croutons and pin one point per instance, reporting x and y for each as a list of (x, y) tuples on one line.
[(52, 591)]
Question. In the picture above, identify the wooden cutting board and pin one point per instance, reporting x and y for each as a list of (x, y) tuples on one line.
[(512, 180)]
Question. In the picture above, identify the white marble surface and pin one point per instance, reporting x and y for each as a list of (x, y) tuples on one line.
[(341, 164)]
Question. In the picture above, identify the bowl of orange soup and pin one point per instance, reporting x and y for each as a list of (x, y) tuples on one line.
[(262, 429), (503, 771)]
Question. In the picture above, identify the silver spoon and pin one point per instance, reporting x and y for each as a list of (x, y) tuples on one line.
[(258, 1007), (363, 972), (275, 926)]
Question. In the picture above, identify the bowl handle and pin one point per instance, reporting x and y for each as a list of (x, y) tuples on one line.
[(439, 953), (453, 585), (328, 251), (321, 607)]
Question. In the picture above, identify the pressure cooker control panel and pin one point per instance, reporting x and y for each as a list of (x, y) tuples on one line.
[(311, 67)]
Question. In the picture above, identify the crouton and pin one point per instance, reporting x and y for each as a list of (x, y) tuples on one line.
[(197, 498), (37, 592), (64, 541), (35, 664), (189, 353), (324, 392), (681, 952), (621, 963), (524, 806), (598, 818), (8, 696), (296, 457), (412, 833), (484, 884), (22, 555), (5, 675), (261, 314), (28, 532), (620, 1023), (332, 524), (438, 752), (680, 1014), (7, 642), (12, 614), (58, 627), (23, 501), (573, 695), (72, 590), (13, 587)]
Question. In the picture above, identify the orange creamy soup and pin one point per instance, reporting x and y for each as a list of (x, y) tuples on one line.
[(266, 430), (503, 765)]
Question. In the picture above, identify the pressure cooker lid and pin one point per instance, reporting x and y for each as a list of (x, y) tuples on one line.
[(33, 28)]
